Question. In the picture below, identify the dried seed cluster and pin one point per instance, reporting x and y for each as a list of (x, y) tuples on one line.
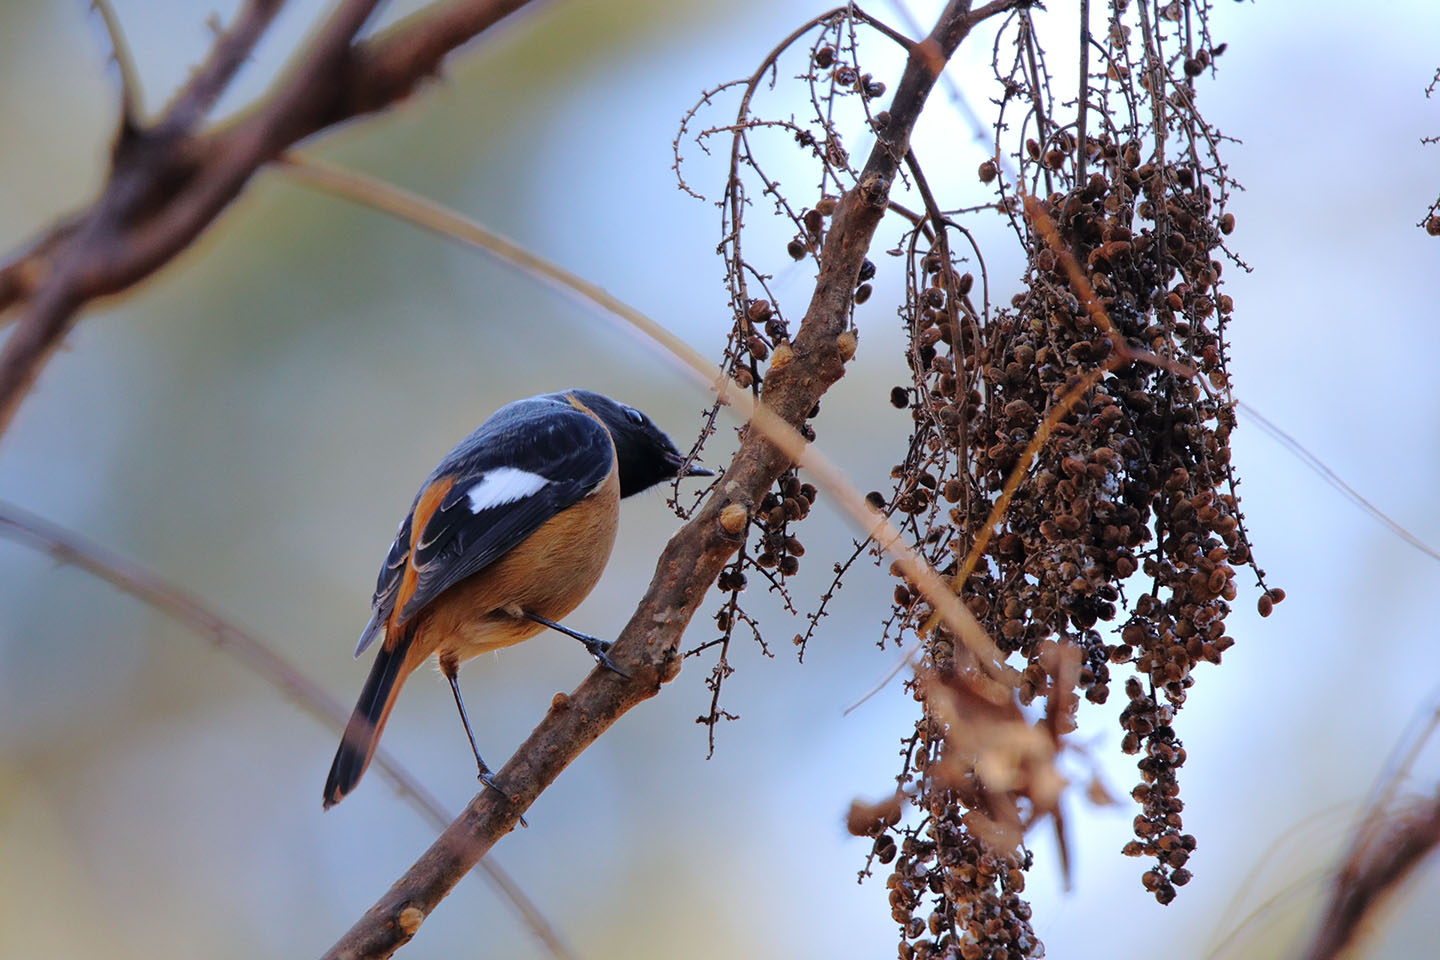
[(779, 548), (978, 911), (1131, 487), (1069, 462)]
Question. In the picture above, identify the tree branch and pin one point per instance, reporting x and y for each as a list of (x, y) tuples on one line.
[(167, 185), (648, 646)]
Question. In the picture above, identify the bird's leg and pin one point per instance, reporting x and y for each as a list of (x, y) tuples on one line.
[(484, 775), (599, 649)]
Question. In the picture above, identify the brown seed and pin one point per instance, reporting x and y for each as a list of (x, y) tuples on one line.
[(862, 293), (988, 171)]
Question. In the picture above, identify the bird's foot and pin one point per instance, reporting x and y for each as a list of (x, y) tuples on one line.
[(600, 650), (486, 777)]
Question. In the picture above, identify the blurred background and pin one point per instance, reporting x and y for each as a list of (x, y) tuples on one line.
[(252, 423)]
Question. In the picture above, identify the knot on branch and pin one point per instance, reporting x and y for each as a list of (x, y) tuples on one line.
[(669, 667), (733, 519), (409, 919), (874, 190)]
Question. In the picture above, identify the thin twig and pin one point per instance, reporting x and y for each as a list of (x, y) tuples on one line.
[(193, 103), (124, 64), (1300, 453), (1082, 155)]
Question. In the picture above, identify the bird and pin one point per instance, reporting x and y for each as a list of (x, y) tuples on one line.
[(504, 539)]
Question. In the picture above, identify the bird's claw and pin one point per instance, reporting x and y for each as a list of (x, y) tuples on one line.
[(486, 777), (600, 650)]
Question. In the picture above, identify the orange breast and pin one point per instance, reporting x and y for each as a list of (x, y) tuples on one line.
[(548, 574)]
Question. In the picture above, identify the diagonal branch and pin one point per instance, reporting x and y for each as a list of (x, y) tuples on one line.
[(232, 48), (67, 547), (648, 646)]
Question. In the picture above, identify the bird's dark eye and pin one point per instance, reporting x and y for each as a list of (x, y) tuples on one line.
[(636, 417)]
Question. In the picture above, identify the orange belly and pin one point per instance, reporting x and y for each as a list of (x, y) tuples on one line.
[(547, 574)]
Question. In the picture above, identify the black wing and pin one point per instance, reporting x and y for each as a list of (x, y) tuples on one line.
[(392, 571), (525, 464)]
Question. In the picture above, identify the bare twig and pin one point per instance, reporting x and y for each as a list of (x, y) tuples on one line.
[(124, 65), (232, 48), (1386, 847), (1300, 453), (68, 547), (1082, 152)]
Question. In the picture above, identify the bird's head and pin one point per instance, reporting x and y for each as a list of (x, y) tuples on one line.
[(645, 454)]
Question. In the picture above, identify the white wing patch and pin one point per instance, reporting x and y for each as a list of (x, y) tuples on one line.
[(503, 485)]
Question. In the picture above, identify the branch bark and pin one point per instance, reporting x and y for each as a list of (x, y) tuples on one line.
[(167, 184), (647, 648)]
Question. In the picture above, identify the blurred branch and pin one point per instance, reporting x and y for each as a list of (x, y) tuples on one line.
[(126, 575), (1390, 840), (1386, 847), (124, 64), (648, 646), (167, 183)]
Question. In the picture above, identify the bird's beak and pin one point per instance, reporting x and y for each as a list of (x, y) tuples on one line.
[(694, 470)]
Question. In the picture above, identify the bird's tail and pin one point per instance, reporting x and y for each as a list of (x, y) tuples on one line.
[(362, 733)]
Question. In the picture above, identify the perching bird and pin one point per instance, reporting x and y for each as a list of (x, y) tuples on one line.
[(506, 536)]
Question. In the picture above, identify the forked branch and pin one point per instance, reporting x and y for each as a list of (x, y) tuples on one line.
[(168, 183)]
